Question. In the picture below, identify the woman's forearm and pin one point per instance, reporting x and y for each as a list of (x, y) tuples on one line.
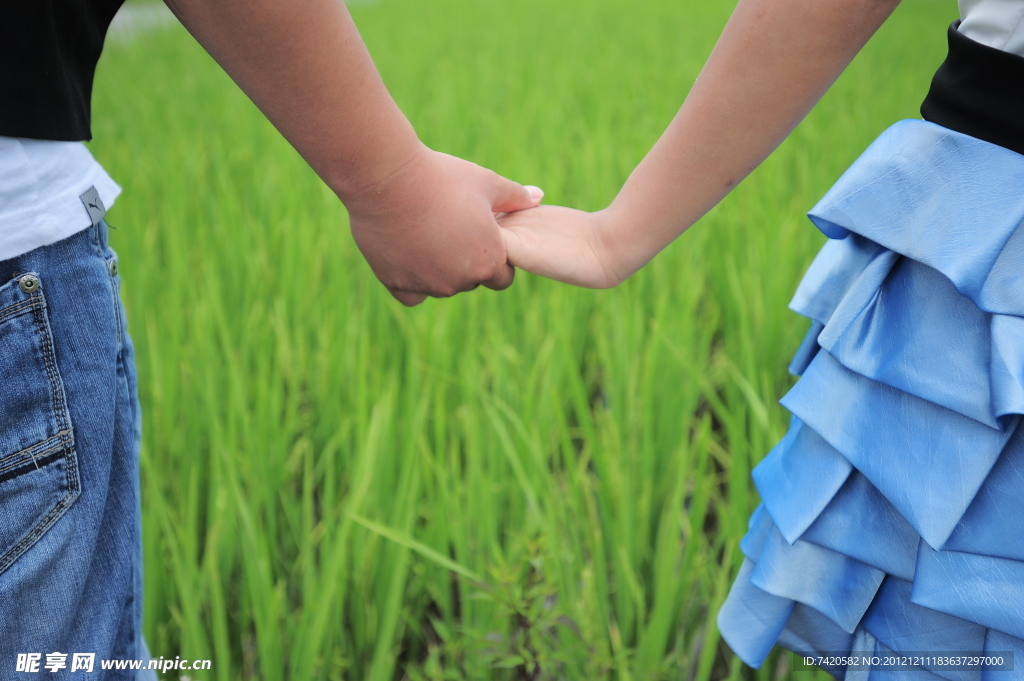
[(774, 61)]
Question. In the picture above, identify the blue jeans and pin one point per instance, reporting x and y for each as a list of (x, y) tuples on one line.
[(70, 545)]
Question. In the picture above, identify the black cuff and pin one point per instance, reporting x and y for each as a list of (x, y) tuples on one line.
[(979, 91)]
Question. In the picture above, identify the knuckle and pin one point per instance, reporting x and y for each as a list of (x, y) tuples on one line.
[(484, 272), (445, 291), (503, 284)]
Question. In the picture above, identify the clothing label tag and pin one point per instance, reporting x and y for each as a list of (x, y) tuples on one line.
[(93, 204)]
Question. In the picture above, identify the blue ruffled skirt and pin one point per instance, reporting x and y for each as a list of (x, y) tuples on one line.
[(892, 514)]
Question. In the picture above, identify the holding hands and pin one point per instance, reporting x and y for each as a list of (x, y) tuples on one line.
[(425, 221), (429, 229)]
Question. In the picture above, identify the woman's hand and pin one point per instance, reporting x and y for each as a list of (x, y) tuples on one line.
[(562, 243)]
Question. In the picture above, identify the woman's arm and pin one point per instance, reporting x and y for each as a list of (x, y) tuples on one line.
[(423, 220), (773, 62)]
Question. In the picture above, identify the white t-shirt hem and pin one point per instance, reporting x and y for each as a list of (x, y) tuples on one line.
[(44, 206)]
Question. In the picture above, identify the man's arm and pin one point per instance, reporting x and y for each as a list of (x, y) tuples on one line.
[(423, 220)]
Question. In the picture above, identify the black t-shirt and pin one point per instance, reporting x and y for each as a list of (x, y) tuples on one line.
[(48, 55)]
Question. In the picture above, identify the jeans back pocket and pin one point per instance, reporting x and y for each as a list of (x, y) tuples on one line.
[(38, 468)]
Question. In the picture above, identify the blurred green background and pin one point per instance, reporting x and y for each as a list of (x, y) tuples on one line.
[(543, 483)]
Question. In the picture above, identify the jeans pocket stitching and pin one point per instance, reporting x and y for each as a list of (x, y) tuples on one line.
[(28, 454), (46, 523), (25, 467), (65, 436), (18, 308), (56, 385)]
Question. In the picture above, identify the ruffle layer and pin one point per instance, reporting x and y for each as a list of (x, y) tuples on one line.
[(892, 514), (831, 604)]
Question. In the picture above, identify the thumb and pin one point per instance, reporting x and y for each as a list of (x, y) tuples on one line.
[(508, 196)]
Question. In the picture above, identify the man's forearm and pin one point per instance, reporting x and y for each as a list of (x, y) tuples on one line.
[(305, 66), (773, 62), (423, 220)]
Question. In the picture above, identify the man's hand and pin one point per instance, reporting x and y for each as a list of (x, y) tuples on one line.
[(424, 220), (429, 229)]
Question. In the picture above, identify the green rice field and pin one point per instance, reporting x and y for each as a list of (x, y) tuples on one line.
[(542, 483)]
